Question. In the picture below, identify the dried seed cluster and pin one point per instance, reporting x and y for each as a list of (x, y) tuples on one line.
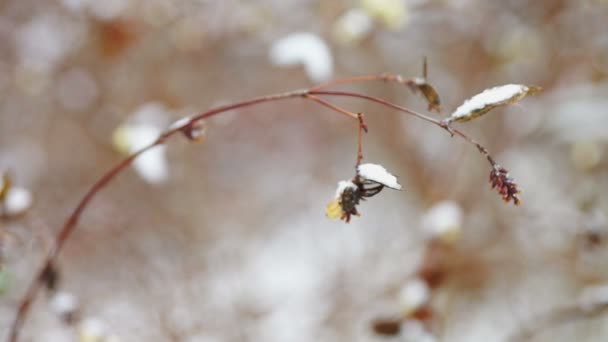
[(505, 185)]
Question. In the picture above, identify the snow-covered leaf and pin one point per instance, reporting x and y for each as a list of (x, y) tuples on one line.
[(377, 173), (489, 99)]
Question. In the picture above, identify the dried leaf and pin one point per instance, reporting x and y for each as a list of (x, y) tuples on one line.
[(428, 91)]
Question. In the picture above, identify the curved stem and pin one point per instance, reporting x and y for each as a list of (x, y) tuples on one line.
[(71, 223)]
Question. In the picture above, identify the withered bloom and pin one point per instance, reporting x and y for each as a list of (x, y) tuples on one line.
[(369, 181), (505, 185), (426, 89)]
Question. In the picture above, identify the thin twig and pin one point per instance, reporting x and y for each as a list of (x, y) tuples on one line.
[(332, 106), (362, 128)]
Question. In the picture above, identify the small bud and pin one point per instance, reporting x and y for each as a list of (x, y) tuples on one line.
[(193, 130), (489, 99)]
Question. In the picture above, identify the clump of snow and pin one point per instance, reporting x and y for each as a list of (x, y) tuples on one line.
[(144, 127), (352, 26), (377, 173), (91, 330), (17, 201), (488, 99), (443, 221), (392, 13), (413, 295), (152, 165), (305, 49), (64, 303)]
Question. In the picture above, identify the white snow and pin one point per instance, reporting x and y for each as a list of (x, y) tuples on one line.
[(414, 294), (593, 296), (305, 49), (343, 185), (377, 173), (489, 97), (179, 123), (444, 221), (353, 26), (64, 303), (17, 201), (91, 329), (152, 165)]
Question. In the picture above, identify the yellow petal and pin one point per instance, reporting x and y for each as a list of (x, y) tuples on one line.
[(333, 209)]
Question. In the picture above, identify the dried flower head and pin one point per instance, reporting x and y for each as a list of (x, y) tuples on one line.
[(489, 99), (369, 181), (505, 185), (420, 84)]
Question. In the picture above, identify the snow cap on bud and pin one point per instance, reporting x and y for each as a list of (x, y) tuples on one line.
[(378, 174), (489, 99), (65, 305), (413, 295), (443, 221)]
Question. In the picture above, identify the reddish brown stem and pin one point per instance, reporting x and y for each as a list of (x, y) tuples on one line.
[(70, 224), (332, 106), (359, 79)]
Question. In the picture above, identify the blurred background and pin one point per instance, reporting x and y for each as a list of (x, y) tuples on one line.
[(227, 240)]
